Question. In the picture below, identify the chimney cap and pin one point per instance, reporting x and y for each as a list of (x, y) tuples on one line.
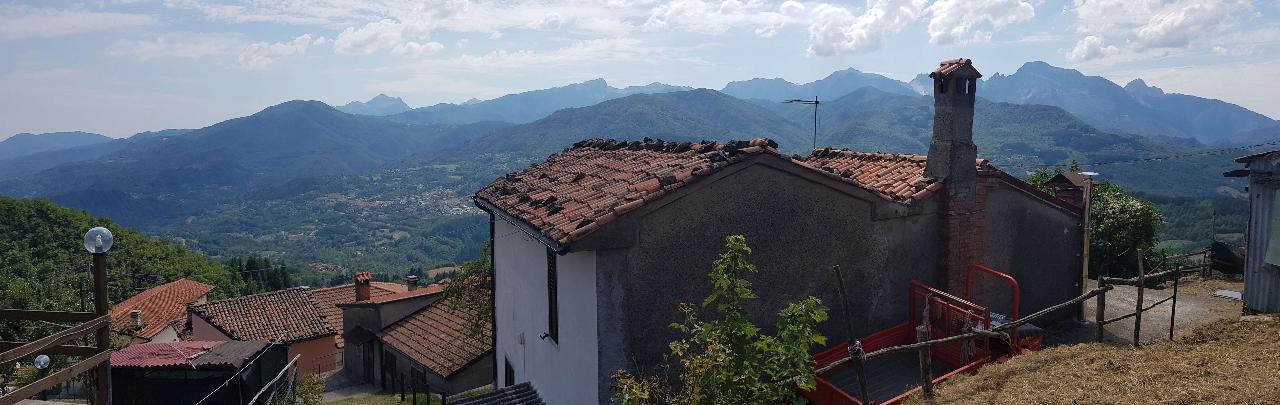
[(955, 67)]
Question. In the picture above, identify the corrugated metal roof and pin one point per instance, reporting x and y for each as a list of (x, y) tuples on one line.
[(233, 353), (519, 394), (193, 354)]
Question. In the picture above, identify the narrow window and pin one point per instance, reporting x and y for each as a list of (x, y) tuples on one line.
[(553, 307), (509, 373)]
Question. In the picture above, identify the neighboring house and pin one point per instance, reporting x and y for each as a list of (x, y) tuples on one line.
[(594, 247), (158, 314), (290, 316), (519, 394), (328, 299), (189, 371), (1262, 235), (413, 338)]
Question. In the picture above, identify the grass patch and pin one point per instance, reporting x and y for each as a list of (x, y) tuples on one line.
[(1226, 362)]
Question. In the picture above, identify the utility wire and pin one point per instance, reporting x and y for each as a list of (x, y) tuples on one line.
[(241, 370), (1154, 158)]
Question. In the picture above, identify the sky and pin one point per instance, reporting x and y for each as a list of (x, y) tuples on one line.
[(118, 67)]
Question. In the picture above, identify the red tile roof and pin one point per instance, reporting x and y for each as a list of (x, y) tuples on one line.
[(896, 177), (947, 67), (160, 306), (575, 192), (160, 354), (328, 299), (428, 290), (440, 338), (290, 315)]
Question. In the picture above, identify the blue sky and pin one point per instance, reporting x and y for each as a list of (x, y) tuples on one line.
[(122, 66)]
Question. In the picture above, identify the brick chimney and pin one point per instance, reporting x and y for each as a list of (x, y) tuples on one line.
[(362, 285), (952, 161), (411, 281)]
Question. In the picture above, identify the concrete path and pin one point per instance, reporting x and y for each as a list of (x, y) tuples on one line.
[(1196, 306)]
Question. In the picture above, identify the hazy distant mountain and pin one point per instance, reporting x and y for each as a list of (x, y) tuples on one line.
[(37, 162), (290, 140), (379, 105), (1018, 138), (28, 144), (164, 133), (681, 116), (1136, 108), (831, 87), (527, 106)]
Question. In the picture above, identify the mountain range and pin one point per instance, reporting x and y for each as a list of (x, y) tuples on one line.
[(527, 106), (311, 182), (28, 144), (1135, 108), (379, 105)]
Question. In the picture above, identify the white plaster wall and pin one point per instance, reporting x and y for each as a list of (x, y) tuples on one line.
[(166, 335), (563, 372)]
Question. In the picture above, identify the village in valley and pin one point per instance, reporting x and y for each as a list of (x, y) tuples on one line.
[(966, 236)]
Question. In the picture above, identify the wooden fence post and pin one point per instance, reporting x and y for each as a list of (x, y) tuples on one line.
[(1173, 310), (1100, 315), (926, 358), (1137, 317), (413, 388), (401, 387), (855, 347)]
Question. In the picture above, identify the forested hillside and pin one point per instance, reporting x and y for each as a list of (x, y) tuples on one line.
[(43, 263)]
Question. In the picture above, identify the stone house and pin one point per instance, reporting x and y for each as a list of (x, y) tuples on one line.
[(290, 316), (415, 340), (594, 247), (158, 314)]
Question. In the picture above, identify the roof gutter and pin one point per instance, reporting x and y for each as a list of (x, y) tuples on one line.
[(519, 224)]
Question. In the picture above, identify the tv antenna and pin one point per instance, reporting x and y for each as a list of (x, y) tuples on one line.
[(814, 103)]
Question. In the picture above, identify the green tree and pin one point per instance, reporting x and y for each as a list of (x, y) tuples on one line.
[(725, 359), (471, 289), (1122, 225)]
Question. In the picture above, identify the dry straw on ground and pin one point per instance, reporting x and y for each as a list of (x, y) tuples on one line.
[(1227, 362)]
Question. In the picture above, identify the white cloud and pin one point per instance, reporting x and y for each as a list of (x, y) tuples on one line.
[(26, 23), (417, 49), (263, 55), (230, 48), (1130, 29), (714, 18), (837, 30), (1090, 47), (177, 46), (957, 21)]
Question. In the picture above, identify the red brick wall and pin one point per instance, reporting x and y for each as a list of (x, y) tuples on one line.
[(317, 354), (964, 234)]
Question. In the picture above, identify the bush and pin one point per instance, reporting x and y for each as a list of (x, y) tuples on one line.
[(311, 391)]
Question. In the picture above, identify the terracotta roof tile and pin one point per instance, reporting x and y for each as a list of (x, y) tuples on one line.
[(290, 314), (948, 67), (440, 338), (160, 306), (328, 299), (189, 354), (617, 177), (565, 211)]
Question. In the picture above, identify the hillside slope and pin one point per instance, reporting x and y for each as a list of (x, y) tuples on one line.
[(1228, 362), (42, 262)]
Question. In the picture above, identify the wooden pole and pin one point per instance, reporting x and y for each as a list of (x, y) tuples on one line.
[(855, 347), (401, 378), (1142, 286), (1173, 310), (1100, 315), (926, 357), (413, 387), (102, 396)]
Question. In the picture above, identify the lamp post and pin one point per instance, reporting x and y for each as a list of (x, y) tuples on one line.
[(98, 241), (42, 363)]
